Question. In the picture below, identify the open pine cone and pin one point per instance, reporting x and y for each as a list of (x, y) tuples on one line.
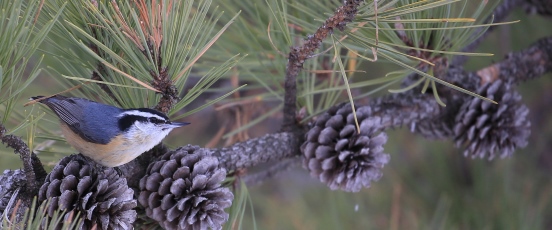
[(339, 156), (102, 198), (488, 129), (183, 191), (8, 183)]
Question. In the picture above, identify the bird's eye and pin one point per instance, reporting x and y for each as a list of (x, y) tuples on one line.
[(155, 120)]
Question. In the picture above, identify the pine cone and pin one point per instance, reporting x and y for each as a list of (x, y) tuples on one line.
[(183, 191), (339, 156), (8, 183), (102, 198), (487, 128)]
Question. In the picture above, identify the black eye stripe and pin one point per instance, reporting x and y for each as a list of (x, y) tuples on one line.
[(156, 120), (153, 111), (127, 121)]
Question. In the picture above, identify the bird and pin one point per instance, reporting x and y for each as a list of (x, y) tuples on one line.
[(109, 135)]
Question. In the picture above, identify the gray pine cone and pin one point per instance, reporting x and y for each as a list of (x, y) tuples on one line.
[(340, 157), (183, 190), (9, 182), (487, 129), (102, 198)]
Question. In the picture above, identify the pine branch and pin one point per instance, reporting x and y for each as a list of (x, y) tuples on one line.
[(270, 147), (274, 170), (298, 55), (394, 110), (524, 65), (34, 171), (390, 111), (169, 92)]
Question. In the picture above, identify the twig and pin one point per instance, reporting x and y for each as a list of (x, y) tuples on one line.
[(168, 90), (34, 172), (525, 65), (271, 172), (298, 55), (270, 147)]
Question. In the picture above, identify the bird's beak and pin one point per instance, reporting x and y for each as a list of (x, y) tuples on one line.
[(178, 124)]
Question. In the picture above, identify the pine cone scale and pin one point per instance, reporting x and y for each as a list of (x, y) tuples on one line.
[(339, 156), (190, 182)]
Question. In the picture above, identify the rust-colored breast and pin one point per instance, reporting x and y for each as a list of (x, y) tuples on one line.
[(115, 153)]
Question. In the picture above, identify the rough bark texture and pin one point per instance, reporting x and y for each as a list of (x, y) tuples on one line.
[(258, 150)]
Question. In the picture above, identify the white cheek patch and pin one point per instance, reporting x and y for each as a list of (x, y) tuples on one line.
[(141, 126), (147, 132)]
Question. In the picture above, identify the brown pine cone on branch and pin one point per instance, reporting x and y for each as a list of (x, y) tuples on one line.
[(339, 156), (97, 194), (488, 129), (183, 190)]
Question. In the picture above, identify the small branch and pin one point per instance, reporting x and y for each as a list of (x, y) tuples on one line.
[(520, 66), (298, 55), (271, 172), (34, 172), (38, 168), (164, 84), (270, 147)]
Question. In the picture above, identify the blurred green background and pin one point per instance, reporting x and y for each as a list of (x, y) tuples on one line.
[(426, 185)]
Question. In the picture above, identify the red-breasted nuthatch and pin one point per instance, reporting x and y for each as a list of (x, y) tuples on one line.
[(109, 135)]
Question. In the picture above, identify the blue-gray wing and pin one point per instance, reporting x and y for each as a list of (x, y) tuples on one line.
[(71, 112)]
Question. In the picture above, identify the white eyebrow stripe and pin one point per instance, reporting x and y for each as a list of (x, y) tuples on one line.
[(142, 114)]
